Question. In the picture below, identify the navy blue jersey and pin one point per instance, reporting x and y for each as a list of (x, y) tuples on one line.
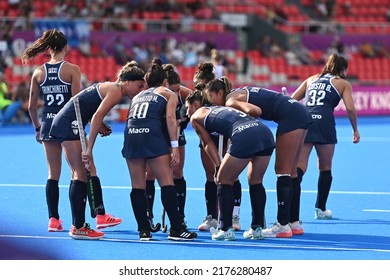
[(322, 98), (146, 133), (65, 125), (249, 137), (56, 93), (288, 113)]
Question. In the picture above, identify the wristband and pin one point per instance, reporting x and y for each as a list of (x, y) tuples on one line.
[(174, 144), (38, 129)]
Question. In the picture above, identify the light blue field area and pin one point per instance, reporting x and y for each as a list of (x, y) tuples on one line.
[(359, 200)]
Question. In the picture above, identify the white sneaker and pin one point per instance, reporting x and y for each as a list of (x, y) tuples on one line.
[(278, 231), (224, 235), (208, 223), (296, 228), (255, 234), (236, 222), (322, 215)]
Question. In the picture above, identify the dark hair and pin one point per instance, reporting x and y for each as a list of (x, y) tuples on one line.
[(131, 72), (172, 76), (335, 65), (222, 83), (205, 72), (50, 39), (155, 75), (198, 95)]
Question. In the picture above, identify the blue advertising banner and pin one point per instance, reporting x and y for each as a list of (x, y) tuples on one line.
[(74, 30)]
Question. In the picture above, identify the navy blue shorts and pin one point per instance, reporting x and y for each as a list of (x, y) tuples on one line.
[(292, 116)]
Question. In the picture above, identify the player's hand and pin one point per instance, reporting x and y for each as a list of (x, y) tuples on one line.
[(87, 158), (105, 129), (356, 137), (175, 157), (38, 137)]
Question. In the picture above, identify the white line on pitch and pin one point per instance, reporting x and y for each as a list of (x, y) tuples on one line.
[(221, 244), (376, 210)]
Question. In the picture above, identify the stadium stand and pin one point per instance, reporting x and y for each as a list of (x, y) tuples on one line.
[(360, 17)]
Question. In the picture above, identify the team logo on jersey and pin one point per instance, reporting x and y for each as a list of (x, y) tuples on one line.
[(134, 130), (52, 70), (75, 127), (318, 117), (50, 115)]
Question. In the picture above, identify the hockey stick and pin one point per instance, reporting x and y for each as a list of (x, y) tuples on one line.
[(153, 228), (164, 227), (284, 91), (90, 191), (220, 153)]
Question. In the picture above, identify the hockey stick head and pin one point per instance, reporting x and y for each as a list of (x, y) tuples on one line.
[(154, 228)]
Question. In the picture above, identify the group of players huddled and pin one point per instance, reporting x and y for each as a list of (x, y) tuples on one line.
[(227, 121)]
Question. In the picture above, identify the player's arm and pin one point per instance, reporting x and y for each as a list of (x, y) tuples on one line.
[(205, 138), (300, 92), (112, 98), (170, 117), (245, 107), (76, 79), (33, 100), (351, 111)]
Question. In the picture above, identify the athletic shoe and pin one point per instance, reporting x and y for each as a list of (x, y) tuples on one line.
[(85, 233), (322, 215), (181, 235), (55, 225), (107, 220), (278, 231), (255, 234), (227, 235), (208, 223), (144, 235), (296, 228), (236, 222)]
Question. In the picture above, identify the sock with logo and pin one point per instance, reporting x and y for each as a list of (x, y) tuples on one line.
[(169, 201), (211, 199), (78, 199), (181, 191), (138, 203), (324, 184), (150, 193), (52, 198), (258, 198), (283, 192)]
